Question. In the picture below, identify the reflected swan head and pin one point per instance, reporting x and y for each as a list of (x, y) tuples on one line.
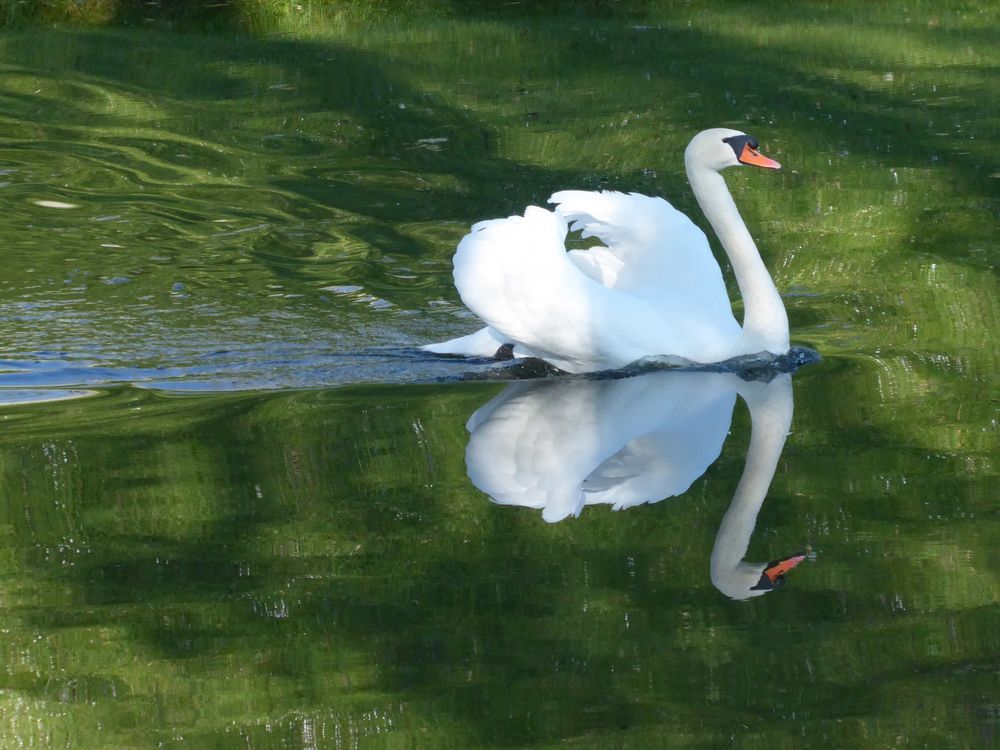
[(738, 583)]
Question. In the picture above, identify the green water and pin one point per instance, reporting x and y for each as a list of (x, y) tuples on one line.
[(251, 520)]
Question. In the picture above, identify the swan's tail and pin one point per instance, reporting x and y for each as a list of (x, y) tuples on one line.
[(482, 343)]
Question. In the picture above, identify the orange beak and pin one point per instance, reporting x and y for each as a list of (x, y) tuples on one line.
[(775, 570), (757, 159)]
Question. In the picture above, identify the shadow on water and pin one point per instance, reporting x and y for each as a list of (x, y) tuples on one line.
[(260, 96)]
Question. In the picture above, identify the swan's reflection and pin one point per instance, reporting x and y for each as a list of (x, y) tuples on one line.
[(558, 445)]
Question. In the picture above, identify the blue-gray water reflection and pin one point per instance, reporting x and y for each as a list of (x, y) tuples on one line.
[(560, 445)]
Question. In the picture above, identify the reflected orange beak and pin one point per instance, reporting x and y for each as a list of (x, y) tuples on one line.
[(775, 570), (757, 159)]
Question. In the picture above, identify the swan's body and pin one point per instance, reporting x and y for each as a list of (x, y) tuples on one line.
[(652, 289), (558, 445)]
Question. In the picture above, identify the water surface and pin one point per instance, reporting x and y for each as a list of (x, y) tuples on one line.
[(241, 510)]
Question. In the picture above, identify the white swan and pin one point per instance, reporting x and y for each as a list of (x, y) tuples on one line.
[(652, 289), (558, 445)]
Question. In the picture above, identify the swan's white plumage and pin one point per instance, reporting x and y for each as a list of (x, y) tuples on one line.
[(650, 248), (482, 343), (653, 287), (578, 310)]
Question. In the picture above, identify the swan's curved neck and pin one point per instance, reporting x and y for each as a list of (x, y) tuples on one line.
[(770, 419), (765, 323)]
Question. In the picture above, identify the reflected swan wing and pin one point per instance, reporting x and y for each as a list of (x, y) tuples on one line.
[(557, 445), (664, 463)]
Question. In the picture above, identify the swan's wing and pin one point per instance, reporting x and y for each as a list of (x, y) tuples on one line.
[(651, 247), (516, 276), (599, 263)]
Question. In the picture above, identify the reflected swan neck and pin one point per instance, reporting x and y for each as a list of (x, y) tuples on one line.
[(771, 408)]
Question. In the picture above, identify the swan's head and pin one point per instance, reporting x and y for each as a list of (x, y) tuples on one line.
[(719, 148)]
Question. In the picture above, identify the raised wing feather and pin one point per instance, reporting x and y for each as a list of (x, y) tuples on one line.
[(651, 248)]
